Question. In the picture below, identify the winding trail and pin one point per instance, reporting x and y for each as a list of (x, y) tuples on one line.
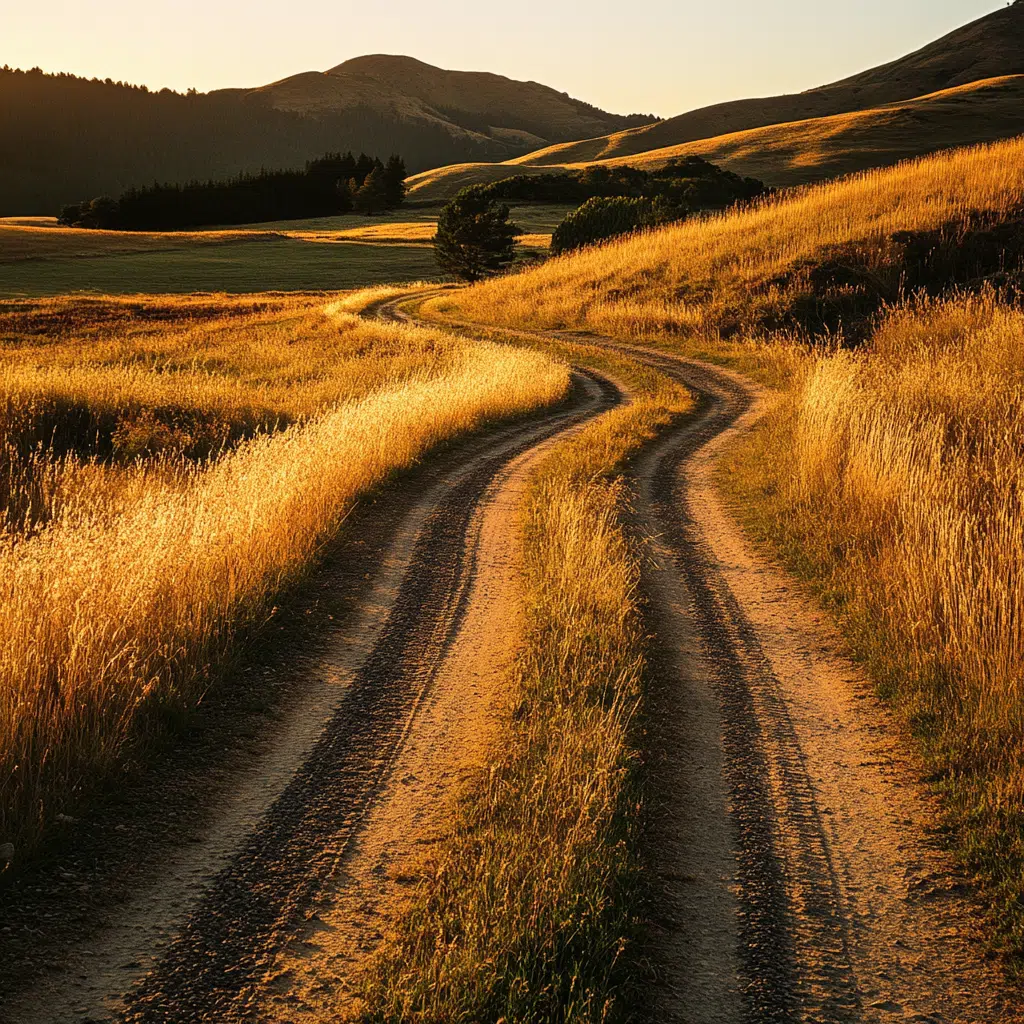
[(798, 870)]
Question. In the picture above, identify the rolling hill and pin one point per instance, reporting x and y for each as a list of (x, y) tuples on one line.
[(67, 138), (991, 47), (802, 152)]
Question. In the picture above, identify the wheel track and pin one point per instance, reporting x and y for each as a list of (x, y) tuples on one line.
[(793, 932), (214, 969), (216, 963)]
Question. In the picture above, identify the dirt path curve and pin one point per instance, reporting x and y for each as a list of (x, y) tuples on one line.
[(266, 915), (800, 874), (794, 838)]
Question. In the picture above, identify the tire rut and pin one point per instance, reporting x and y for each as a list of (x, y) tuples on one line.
[(213, 970), (826, 927), (792, 933)]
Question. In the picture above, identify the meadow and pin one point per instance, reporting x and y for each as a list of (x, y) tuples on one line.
[(39, 259), (171, 466), (883, 309)]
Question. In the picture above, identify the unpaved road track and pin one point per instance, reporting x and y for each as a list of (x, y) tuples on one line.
[(792, 840), (792, 835), (397, 709)]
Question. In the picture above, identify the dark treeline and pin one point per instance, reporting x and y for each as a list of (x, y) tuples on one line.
[(614, 201), (692, 184), (65, 137), (334, 184)]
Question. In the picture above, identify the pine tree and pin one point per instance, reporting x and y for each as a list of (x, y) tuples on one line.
[(372, 195), (394, 181), (474, 237)]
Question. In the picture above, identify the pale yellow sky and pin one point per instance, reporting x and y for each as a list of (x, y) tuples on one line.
[(657, 57)]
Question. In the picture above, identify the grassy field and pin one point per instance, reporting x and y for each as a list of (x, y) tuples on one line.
[(890, 474), (188, 459), (38, 258), (545, 930)]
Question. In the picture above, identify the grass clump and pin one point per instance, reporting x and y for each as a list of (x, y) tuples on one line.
[(529, 911)]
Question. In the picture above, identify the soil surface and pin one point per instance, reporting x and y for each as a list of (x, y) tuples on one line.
[(266, 912), (795, 840)]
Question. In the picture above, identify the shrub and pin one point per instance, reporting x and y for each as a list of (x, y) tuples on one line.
[(600, 219)]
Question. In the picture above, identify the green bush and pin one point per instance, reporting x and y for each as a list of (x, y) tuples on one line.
[(600, 219)]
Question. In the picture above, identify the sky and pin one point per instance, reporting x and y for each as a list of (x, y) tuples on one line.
[(671, 56)]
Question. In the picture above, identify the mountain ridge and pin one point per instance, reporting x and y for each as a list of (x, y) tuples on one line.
[(989, 47), (67, 138)]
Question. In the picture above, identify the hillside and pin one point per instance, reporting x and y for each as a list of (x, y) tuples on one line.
[(803, 152), (991, 47), (67, 138)]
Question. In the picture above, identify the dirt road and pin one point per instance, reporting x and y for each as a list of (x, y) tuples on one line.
[(793, 843), (794, 839), (322, 819)]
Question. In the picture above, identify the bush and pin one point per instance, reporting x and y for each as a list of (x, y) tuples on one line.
[(692, 182), (600, 219)]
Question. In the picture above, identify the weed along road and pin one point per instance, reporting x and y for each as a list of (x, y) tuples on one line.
[(298, 877)]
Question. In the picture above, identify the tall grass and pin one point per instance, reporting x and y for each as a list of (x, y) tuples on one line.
[(528, 914), (719, 276), (894, 478), (111, 615)]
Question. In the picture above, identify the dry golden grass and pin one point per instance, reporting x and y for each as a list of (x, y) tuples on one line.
[(24, 238), (803, 152), (715, 276), (125, 604), (786, 154), (528, 913), (893, 478)]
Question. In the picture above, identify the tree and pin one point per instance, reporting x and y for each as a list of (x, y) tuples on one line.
[(372, 196), (474, 237), (394, 181)]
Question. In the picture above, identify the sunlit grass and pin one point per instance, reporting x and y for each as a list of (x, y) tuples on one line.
[(529, 912), (126, 601)]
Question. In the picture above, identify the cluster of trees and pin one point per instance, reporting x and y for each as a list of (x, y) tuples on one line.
[(692, 182), (334, 184), (475, 237)]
